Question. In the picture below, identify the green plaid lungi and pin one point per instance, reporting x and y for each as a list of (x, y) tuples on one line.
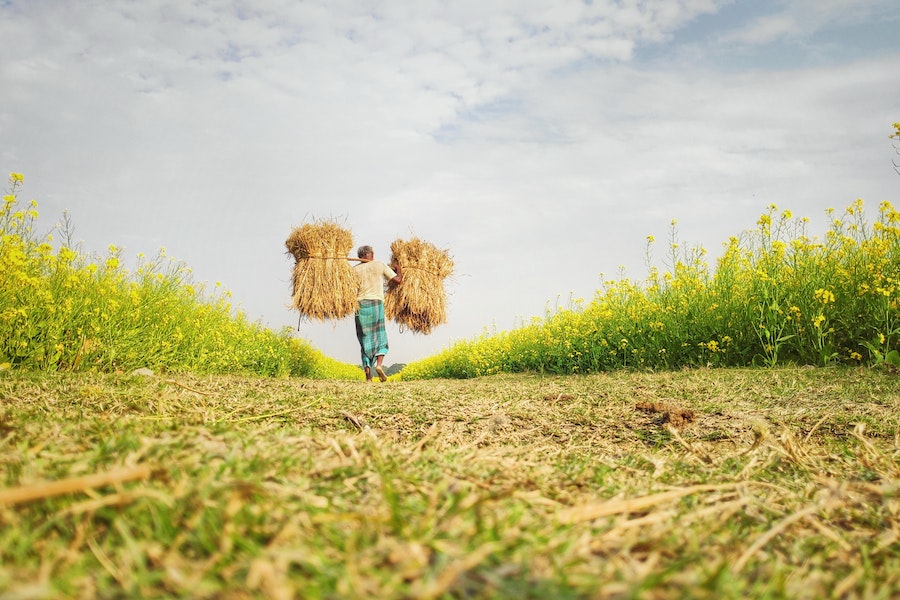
[(370, 331)]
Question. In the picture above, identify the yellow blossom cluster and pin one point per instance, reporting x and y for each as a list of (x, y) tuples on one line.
[(778, 293)]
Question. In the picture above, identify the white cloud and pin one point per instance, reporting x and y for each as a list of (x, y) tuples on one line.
[(766, 30), (799, 19)]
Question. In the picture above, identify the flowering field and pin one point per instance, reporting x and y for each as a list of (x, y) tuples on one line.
[(63, 311), (776, 296)]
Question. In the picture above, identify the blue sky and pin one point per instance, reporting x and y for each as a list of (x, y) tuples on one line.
[(540, 146)]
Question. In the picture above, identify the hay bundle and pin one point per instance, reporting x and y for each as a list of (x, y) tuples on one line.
[(420, 302), (324, 284)]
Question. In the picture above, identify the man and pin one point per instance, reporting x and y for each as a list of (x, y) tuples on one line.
[(372, 275)]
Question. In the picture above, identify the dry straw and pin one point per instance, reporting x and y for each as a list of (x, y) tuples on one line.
[(324, 285), (420, 303)]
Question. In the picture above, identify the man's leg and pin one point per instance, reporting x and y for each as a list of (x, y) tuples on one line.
[(361, 336), (379, 369)]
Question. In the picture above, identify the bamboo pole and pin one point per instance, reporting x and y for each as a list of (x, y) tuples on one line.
[(337, 258)]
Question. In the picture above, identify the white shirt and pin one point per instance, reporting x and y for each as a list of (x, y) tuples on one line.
[(372, 276)]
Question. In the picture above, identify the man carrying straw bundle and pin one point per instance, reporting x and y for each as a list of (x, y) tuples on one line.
[(370, 331)]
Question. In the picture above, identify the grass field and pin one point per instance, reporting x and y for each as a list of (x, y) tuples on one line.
[(715, 483)]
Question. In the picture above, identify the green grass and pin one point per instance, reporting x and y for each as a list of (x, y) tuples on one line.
[(783, 483)]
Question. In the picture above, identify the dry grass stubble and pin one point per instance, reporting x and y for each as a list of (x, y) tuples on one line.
[(781, 482)]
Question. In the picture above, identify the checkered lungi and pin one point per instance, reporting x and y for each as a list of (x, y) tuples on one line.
[(370, 331)]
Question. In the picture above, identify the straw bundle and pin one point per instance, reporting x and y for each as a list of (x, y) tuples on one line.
[(420, 302), (324, 285)]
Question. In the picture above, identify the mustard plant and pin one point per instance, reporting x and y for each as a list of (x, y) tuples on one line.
[(775, 296), (61, 309)]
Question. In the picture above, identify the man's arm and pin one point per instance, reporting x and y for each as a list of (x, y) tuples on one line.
[(398, 278)]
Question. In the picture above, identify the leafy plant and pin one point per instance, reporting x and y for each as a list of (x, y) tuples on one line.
[(776, 296), (61, 310)]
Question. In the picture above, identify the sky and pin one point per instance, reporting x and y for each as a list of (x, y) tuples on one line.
[(540, 143)]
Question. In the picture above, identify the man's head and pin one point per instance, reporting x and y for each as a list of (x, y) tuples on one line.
[(364, 251)]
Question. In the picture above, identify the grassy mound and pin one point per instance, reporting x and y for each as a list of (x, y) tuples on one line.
[(702, 483)]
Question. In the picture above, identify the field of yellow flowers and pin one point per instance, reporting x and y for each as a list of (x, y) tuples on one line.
[(63, 311), (776, 296)]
